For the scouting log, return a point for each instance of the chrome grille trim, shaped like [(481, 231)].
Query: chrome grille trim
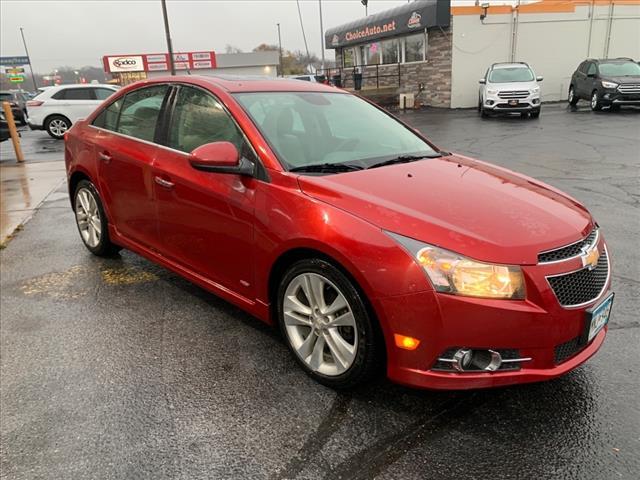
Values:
[(595, 232), (513, 94), (598, 296), (629, 88)]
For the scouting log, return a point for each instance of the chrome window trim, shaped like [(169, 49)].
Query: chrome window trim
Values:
[(594, 300), (595, 242), (146, 142)]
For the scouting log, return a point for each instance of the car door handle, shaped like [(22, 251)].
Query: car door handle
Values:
[(105, 157), (164, 183)]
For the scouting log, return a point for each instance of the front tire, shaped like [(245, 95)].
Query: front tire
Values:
[(57, 126), (596, 106), (572, 98), (92, 221), (325, 322)]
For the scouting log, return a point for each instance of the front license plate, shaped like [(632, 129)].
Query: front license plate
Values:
[(513, 102), (598, 317)]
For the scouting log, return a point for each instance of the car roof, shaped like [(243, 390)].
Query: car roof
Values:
[(611, 60), (237, 83), (510, 65), (81, 85)]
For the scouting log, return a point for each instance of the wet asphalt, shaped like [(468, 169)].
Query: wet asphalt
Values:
[(119, 369)]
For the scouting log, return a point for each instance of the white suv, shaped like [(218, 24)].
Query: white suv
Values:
[(510, 87), (57, 108)]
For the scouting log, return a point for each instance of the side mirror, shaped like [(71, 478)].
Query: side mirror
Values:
[(220, 157), (482, 81), (539, 79)]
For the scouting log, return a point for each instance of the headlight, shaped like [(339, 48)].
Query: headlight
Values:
[(492, 92), (609, 84), (455, 274), (535, 90)]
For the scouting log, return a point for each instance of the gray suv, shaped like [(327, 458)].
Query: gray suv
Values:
[(508, 88)]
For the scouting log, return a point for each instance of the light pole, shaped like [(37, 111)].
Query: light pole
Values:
[(321, 36), (33, 78), (76, 73), (172, 66), (280, 51), (366, 7)]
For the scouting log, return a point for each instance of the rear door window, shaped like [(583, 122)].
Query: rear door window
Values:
[(75, 94), (140, 112), (102, 93)]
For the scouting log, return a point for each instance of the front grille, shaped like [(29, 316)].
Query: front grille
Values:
[(583, 286), (566, 350), (629, 88), (511, 94), (569, 251)]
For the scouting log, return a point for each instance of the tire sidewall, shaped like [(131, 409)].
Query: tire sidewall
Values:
[(57, 117), (363, 364), (598, 105)]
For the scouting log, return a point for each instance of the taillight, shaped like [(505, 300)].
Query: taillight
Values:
[(34, 103)]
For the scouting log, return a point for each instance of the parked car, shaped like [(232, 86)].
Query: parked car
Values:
[(310, 78), (18, 104), (508, 88), (606, 83), (57, 108), (4, 128), (321, 213)]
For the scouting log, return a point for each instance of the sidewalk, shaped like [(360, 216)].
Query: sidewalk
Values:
[(24, 186)]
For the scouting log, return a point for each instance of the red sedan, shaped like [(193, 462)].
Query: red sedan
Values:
[(321, 213)]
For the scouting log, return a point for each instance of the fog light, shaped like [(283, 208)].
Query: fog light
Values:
[(536, 101), (489, 102), (406, 343), (476, 360)]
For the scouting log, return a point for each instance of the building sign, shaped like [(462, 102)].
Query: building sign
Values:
[(158, 62), (410, 17), (13, 61)]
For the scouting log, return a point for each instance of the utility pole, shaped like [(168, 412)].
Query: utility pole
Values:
[(280, 52), (304, 36), (321, 36), (172, 65), (33, 78)]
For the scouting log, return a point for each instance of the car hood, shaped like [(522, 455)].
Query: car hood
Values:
[(622, 80), (481, 211)]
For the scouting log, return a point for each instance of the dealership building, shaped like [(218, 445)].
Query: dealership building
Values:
[(436, 52), (130, 68)]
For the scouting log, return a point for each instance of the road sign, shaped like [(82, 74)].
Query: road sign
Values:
[(13, 61), (16, 79), (14, 71)]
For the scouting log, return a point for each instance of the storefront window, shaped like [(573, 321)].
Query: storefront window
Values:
[(414, 48), (390, 51), (348, 57), (373, 51)]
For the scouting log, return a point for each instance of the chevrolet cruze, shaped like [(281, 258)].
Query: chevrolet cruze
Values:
[(367, 245)]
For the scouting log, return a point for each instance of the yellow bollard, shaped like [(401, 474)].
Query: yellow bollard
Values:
[(15, 138)]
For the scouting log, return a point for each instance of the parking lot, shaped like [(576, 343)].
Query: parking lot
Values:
[(117, 368)]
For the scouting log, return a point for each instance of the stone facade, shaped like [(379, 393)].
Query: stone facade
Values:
[(434, 73)]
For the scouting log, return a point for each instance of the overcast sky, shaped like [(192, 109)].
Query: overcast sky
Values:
[(79, 32)]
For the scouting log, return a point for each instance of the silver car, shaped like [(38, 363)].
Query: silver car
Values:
[(509, 88)]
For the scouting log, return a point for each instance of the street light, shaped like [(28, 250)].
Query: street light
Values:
[(24, 42), (76, 72)]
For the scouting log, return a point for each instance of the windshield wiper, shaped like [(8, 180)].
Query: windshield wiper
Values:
[(326, 168), (404, 159)]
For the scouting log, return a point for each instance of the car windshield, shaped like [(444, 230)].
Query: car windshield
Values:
[(510, 74), (620, 69), (317, 128)]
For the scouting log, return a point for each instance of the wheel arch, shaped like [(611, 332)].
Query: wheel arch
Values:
[(294, 254)]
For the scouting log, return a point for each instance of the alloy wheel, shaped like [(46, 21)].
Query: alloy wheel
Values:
[(88, 217), (58, 127), (320, 324), (594, 100), (571, 95)]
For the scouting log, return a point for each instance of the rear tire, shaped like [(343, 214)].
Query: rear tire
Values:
[(596, 106), (91, 220), (341, 356), (572, 98), (57, 126)]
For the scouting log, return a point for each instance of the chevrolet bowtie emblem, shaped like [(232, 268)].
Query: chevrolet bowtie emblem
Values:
[(590, 258)]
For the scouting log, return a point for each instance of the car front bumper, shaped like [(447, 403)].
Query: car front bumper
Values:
[(548, 337), (494, 103), (614, 97)]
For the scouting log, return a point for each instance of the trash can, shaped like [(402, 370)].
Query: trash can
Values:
[(337, 81), (357, 80)]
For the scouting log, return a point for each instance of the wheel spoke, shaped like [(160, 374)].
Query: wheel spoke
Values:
[(344, 320), (341, 350), (306, 348), (291, 303), (317, 355), (82, 196), (338, 304), (295, 318)]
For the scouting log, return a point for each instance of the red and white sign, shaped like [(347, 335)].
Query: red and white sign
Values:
[(157, 62)]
